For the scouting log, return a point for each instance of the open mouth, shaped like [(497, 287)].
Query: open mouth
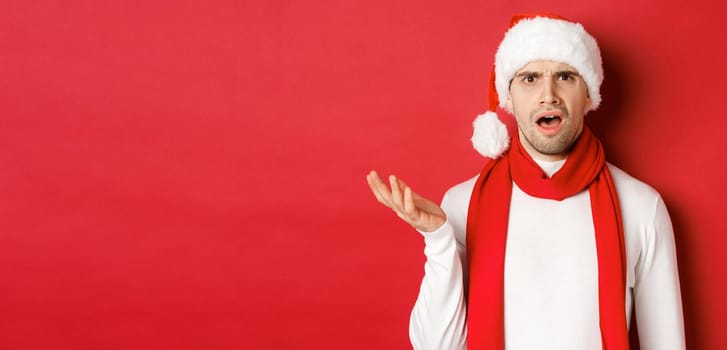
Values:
[(549, 123)]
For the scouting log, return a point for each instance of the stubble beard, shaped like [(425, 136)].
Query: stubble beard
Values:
[(558, 144), (548, 145)]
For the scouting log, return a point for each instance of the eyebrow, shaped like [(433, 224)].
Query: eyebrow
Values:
[(537, 74)]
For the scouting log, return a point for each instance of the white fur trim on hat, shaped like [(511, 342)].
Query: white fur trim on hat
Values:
[(490, 137), (542, 38)]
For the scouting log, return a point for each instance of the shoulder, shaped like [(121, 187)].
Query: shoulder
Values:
[(648, 231), (644, 214), (633, 193), (460, 192), (456, 203)]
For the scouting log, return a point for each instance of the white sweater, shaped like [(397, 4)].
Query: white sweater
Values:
[(551, 272)]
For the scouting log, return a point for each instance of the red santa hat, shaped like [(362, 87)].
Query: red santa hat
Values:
[(531, 38)]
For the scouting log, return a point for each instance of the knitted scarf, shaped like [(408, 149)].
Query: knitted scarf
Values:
[(487, 221)]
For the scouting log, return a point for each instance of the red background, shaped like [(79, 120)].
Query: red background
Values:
[(189, 175)]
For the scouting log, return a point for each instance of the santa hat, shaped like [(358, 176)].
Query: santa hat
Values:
[(531, 38)]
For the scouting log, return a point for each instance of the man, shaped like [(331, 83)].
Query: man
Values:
[(549, 247)]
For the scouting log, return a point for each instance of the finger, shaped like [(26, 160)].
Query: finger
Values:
[(402, 184), (379, 188), (370, 180), (376, 193), (413, 197), (397, 199), (403, 216), (409, 208)]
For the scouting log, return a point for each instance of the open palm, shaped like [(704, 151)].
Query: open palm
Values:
[(419, 212)]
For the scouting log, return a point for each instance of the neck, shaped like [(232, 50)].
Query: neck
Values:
[(545, 157), (550, 167)]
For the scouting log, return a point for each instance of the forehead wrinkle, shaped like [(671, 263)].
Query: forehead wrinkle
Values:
[(547, 67)]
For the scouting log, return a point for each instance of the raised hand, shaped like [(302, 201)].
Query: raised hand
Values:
[(421, 213)]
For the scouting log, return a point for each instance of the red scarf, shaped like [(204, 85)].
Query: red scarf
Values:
[(487, 221)]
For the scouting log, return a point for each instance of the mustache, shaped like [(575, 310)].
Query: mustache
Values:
[(561, 109)]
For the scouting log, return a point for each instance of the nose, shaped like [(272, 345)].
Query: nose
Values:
[(549, 93)]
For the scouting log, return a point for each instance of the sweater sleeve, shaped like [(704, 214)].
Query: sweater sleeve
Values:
[(657, 297), (438, 320)]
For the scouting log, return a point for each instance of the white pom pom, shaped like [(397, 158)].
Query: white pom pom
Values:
[(490, 137)]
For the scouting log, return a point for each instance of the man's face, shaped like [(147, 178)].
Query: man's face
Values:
[(549, 100)]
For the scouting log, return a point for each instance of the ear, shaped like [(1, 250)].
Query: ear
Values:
[(587, 105), (508, 104)]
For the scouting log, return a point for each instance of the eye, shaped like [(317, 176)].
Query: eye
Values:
[(566, 76), (529, 78)]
